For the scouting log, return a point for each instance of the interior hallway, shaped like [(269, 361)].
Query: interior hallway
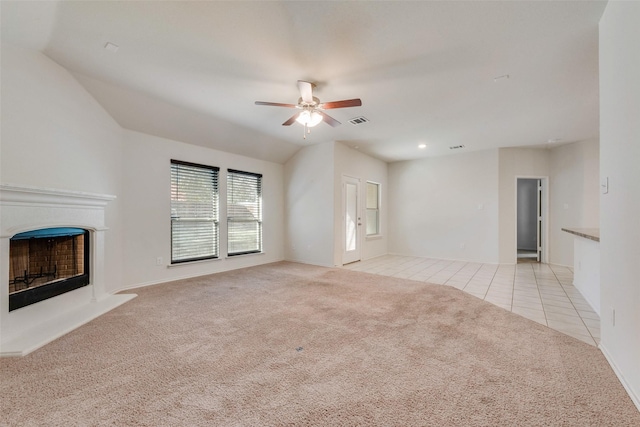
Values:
[(540, 292)]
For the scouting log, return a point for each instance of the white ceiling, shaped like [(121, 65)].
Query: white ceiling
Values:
[(191, 71)]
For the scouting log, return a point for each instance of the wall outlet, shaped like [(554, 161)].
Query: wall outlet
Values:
[(159, 260), (613, 316), (462, 245), (604, 185)]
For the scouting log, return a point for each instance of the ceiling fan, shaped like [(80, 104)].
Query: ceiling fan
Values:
[(311, 109)]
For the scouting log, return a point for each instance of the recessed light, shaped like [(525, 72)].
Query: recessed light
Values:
[(502, 77), (422, 146), (553, 140), (111, 47)]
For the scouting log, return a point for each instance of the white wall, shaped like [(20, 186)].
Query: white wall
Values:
[(353, 163), (430, 194), (438, 204), (515, 162), (146, 211), (55, 135), (309, 206), (586, 274), (574, 195), (620, 208)]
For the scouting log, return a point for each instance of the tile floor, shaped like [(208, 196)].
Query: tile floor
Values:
[(540, 292)]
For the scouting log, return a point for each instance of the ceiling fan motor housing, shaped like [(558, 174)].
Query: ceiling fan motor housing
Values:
[(312, 110), (315, 102)]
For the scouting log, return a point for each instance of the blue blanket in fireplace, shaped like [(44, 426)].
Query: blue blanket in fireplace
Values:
[(48, 232)]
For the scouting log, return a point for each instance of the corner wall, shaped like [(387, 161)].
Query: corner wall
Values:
[(55, 135), (514, 163), (309, 205), (620, 208), (353, 163), (146, 213), (574, 195), (433, 203), (445, 207)]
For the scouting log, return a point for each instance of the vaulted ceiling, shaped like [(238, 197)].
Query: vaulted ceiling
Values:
[(478, 74)]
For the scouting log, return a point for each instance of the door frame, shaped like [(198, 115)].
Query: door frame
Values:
[(544, 182), (358, 182)]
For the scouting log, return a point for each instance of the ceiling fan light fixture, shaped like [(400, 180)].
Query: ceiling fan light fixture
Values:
[(311, 109), (309, 118)]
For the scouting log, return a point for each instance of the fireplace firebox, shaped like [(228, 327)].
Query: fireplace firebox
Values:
[(24, 208), (46, 263)]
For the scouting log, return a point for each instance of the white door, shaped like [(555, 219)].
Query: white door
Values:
[(351, 219)]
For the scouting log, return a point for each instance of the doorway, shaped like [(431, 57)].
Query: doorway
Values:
[(529, 220), (351, 219)]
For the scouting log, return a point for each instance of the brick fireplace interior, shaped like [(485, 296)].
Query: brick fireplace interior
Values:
[(45, 263), (55, 304)]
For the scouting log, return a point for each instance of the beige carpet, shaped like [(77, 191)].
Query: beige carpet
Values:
[(290, 344)]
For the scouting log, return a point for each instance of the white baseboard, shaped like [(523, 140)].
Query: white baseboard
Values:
[(634, 397), (191, 276), (319, 264), (161, 281), (451, 259), (561, 265), (587, 298)]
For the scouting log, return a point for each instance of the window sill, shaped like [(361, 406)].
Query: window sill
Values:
[(244, 255), (203, 261), (200, 261), (374, 237)]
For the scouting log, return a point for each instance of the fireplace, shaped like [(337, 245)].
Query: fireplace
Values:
[(46, 263), (52, 265)]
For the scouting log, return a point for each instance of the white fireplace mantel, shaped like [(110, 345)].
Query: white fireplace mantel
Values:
[(27, 194), (25, 208)]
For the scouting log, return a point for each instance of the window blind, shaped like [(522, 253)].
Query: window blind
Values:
[(373, 208), (194, 212), (244, 212)]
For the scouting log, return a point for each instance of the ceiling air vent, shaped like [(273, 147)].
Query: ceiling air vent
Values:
[(456, 147), (358, 120)]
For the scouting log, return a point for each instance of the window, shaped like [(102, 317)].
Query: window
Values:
[(244, 212), (194, 212), (373, 208)]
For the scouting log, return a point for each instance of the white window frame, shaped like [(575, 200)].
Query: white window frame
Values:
[(210, 239), (239, 213), (377, 209)]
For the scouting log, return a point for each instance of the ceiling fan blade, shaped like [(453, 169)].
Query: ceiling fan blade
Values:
[(306, 91), (341, 104), (276, 104), (291, 120), (328, 119)]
